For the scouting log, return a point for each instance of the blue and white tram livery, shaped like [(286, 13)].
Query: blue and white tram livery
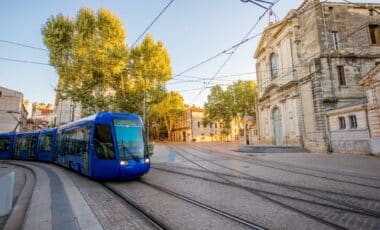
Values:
[(105, 146)]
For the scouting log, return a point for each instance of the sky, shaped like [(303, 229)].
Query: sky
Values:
[(191, 30)]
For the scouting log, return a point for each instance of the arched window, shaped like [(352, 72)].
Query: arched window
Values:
[(273, 65)]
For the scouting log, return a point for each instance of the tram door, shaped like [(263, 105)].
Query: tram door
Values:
[(86, 147)]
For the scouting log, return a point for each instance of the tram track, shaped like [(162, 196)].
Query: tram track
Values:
[(256, 179), (249, 176), (160, 223), (205, 206), (338, 198), (351, 209), (276, 200), (273, 164), (147, 216)]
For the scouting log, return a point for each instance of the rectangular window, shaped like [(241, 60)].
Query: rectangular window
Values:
[(211, 125), (130, 139), (199, 124), (103, 142), (335, 40), (45, 143), (25, 144), (5, 144), (374, 34), (216, 125), (353, 122), (342, 123), (341, 75)]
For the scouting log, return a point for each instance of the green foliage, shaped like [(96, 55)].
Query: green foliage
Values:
[(149, 70), (170, 109), (235, 102), (89, 53), (96, 68)]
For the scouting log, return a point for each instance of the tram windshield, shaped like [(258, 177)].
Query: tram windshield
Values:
[(130, 139)]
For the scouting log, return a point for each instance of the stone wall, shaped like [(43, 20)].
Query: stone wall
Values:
[(11, 110), (349, 139)]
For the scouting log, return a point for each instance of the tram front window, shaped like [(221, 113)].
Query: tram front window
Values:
[(130, 140)]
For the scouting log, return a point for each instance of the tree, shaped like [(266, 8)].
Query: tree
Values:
[(149, 70), (170, 109), (89, 54), (244, 100), (237, 101), (219, 108)]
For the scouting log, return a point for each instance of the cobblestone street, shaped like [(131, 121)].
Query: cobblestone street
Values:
[(275, 190), (210, 186)]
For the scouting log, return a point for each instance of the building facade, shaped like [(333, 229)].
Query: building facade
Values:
[(191, 128), (42, 114), (67, 111), (371, 83), (311, 62), (13, 114)]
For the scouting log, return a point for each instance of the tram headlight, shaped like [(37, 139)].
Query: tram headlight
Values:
[(124, 163), (147, 160)]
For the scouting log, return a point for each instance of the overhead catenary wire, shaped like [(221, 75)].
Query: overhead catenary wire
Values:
[(238, 44), (234, 50), (23, 45), (154, 20), (217, 55), (24, 61)]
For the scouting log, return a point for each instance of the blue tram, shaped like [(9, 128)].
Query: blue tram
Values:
[(105, 146), (45, 144), (25, 145), (6, 145)]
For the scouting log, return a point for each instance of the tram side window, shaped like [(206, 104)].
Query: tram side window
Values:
[(25, 144), (59, 144), (5, 144), (103, 142), (18, 145), (45, 143)]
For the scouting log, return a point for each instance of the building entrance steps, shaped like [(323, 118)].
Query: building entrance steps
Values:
[(272, 149)]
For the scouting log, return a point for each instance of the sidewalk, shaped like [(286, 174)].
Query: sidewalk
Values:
[(46, 199)]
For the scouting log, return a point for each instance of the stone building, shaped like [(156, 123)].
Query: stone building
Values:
[(43, 114), (13, 114), (189, 127), (371, 83), (348, 128), (67, 111), (311, 62)]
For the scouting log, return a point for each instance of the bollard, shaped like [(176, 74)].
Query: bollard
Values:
[(6, 192)]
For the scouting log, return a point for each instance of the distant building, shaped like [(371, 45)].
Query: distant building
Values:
[(42, 114), (309, 64), (191, 128), (13, 114), (67, 111)]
